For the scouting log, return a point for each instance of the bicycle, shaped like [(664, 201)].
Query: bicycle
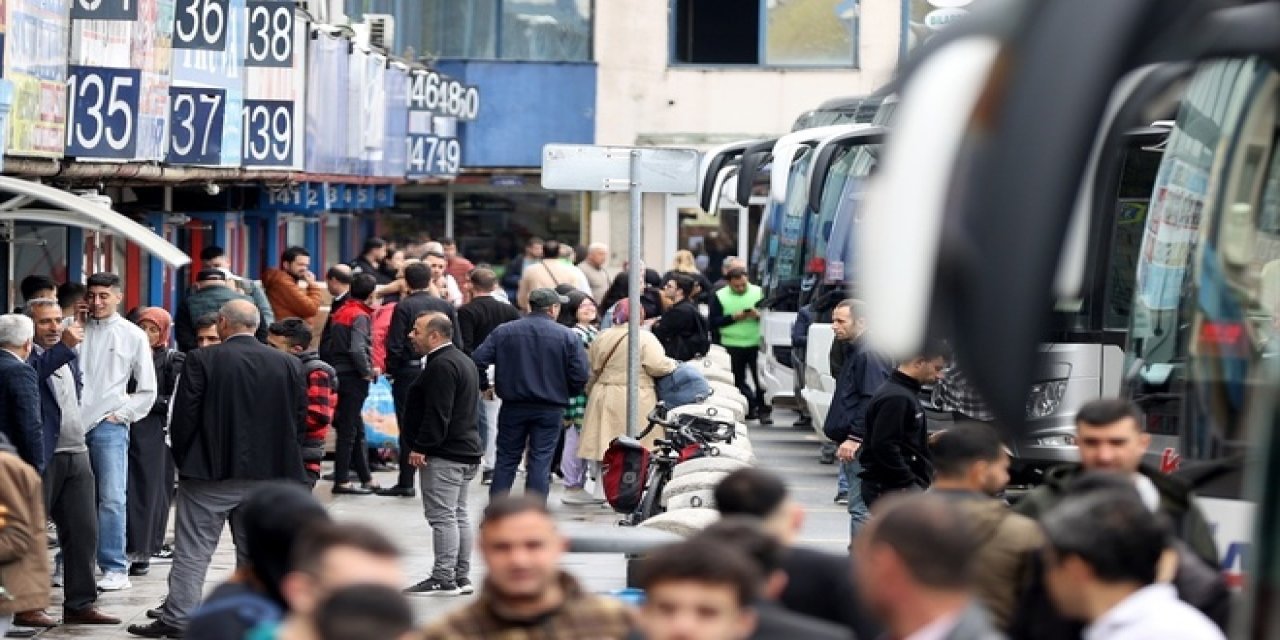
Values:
[(687, 436)]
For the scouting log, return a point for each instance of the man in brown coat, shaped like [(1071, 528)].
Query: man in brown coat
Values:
[(24, 563), (972, 468), (292, 289)]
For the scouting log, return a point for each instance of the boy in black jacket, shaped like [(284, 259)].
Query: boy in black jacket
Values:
[(895, 452), (441, 413)]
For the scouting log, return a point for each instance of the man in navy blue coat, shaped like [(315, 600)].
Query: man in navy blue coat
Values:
[(19, 394)]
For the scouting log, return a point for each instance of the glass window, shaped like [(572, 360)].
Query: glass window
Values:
[(766, 32), (540, 30), (710, 238)]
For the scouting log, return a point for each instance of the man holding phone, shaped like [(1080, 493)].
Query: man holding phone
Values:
[(738, 320)]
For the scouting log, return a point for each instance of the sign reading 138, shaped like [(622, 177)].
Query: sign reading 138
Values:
[(268, 133), (102, 112), (200, 24), (270, 33)]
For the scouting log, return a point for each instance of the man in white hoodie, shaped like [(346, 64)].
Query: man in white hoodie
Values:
[(114, 353)]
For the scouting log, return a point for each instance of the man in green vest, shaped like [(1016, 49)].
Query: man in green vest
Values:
[(738, 321)]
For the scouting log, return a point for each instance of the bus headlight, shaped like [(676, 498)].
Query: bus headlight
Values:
[(1045, 398)]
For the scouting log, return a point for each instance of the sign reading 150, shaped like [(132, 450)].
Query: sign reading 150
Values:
[(102, 112)]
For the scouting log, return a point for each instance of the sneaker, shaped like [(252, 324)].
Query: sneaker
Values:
[(114, 581), (465, 587), (842, 497), (165, 553), (433, 587), (579, 496)]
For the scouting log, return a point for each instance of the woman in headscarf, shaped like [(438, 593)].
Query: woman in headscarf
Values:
[(580, 315), (151, 471), (606, 416)]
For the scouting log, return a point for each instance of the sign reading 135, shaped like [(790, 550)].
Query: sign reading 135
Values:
[(200, 24), (102, 112), (195, 125), (268, 133)]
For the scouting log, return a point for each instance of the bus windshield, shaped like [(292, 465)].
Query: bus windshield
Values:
[(831, 234), (780, 263)]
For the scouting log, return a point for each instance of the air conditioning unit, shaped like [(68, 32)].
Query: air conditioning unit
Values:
[(382, 30)]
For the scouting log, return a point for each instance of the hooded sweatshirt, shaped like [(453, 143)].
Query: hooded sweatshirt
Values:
[(115, 351)]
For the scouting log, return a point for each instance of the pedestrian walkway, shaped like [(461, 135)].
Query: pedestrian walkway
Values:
[(781, 448)]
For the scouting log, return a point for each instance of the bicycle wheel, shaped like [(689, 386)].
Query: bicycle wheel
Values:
[(651, 504)]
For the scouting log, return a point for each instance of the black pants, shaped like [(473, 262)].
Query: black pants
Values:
[(400, 392), (150, 486), (70, 493), (349, 449), (742, 359)]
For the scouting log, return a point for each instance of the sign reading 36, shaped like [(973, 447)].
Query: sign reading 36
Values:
[(200, 24)]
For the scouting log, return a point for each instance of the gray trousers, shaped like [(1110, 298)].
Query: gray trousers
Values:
[(444, 502), (70, 494), (203, 509)]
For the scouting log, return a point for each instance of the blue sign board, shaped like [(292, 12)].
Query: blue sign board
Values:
[(199, 64), (102, 112), (204, 24), (268, 133), (271, 37), (197, 117), (300, 197), (104, 10)]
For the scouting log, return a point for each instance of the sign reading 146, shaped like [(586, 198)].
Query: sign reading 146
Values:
[(102, 112)]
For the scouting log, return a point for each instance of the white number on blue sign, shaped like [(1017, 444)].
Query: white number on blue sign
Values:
[(430, 155), (270, 34), (104, 10), (196, 117), (268, 132), (200, 24), (102, 113)]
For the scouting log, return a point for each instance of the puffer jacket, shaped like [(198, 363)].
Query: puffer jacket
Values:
[(24, 564), (1006, 543)]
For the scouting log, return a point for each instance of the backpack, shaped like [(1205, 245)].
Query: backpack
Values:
[(624, 470)]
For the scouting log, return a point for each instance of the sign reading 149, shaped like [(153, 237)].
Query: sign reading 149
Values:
[(102, 112)]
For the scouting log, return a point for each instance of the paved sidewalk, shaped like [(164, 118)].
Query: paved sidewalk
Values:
[(783, 449)]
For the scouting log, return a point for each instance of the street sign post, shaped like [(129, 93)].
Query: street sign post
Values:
[(637, 170)]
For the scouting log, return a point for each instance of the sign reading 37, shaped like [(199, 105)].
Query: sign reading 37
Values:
[(102, 112), (195, 125)]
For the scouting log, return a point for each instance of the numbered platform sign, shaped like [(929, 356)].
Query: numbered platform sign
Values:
[(302, 197), (103, 112), (104, 10), (206, 98), (432, 156), (275, 85)]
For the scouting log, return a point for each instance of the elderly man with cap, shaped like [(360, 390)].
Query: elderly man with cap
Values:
[(212, 290), (540, 365)]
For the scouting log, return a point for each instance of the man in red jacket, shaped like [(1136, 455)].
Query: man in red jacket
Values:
[(348, 350)]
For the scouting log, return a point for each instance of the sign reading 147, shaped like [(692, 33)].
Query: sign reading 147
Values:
[(102, 112)]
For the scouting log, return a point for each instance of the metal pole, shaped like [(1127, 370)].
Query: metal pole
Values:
[(634, 271)]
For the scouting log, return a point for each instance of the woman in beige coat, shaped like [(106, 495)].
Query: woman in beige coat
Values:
[(606, 416)]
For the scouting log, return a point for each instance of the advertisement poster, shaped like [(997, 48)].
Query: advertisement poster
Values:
[(37, 33)]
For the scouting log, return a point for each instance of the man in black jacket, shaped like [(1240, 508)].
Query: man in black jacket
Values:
[(540, 365), (683, 332), (446, 447), (227, 442), (895, 452), (404, 364), (476, 320), (349, 351)]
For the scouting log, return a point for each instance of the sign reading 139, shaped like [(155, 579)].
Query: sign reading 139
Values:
[(268, 133), (102, 112)]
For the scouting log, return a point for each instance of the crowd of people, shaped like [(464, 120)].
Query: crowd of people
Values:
[(109, 423)]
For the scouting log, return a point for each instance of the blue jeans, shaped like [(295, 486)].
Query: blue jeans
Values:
[(858, 512), (109, 455), (842, 479), (538, 429)]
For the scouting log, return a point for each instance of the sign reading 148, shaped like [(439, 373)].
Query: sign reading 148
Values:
[(102, 112)]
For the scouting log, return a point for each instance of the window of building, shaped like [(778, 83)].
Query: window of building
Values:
[(804, 33), (529, 30)]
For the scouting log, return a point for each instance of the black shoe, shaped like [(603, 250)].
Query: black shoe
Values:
[(139, 568), (21, 632), (327, 476), (766, 418), (397, 492), (156, 629), (351, 489), (155, 613), (165, 552), (803, 422), (842, 497), (433, 587), (465, 587), (486, 477)]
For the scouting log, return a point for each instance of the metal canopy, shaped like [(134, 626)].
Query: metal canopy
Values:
[(75, 211)]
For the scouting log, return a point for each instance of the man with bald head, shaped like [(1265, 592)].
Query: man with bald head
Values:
[(239, 418)]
